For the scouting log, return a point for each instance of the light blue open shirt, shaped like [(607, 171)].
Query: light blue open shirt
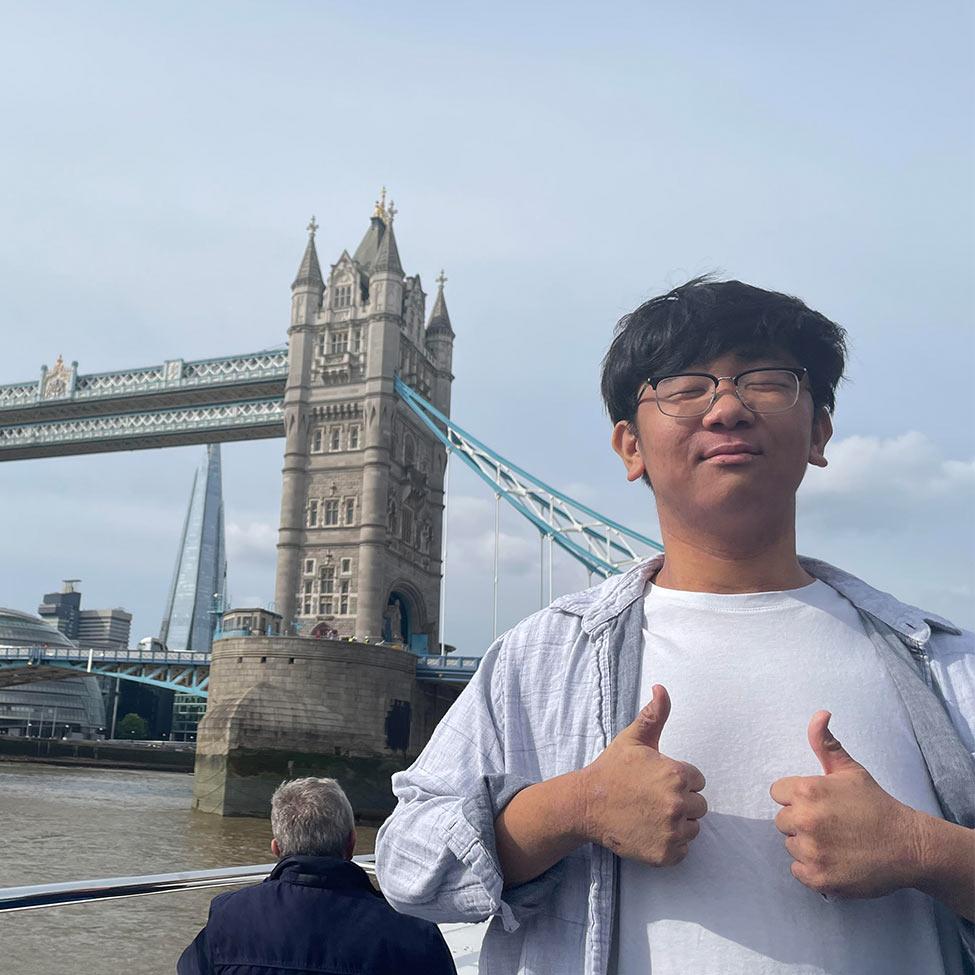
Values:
[(549, 696)]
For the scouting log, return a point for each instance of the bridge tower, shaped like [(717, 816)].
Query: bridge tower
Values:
[(362, 494), (358, 548)]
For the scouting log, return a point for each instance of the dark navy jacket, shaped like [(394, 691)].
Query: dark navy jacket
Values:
[(313, 915)]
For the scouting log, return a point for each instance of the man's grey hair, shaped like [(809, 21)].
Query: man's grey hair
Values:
[(311, 817)]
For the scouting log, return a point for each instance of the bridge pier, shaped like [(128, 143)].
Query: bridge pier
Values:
[(283, 707)]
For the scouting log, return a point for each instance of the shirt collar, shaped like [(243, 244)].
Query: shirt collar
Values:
[(605, 602)]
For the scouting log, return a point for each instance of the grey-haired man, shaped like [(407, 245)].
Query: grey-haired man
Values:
[(316, 911)]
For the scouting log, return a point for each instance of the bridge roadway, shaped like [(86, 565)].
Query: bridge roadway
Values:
[(179, 402), (184, 671)]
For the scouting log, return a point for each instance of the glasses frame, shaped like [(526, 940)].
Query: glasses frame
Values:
[(651, 383)]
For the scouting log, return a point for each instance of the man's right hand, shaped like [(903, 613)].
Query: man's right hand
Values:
[(639, 803)]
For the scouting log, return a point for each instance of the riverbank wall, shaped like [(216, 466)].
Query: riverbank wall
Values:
[(150, 756)]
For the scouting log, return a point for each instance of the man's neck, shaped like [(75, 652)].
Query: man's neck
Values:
[(731, 561)]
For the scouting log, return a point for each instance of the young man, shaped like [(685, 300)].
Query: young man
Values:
[(316, 911), (549, 798)]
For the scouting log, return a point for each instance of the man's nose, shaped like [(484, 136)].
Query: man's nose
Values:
[(727, 409)]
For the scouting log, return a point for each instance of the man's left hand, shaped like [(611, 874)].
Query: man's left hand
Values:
[(847, 836)]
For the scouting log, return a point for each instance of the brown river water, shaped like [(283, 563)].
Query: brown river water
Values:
[(61, 824)]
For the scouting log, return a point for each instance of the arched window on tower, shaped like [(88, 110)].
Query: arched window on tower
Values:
[(409, 450)]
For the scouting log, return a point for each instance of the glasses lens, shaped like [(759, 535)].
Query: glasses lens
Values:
[(684, 395), (769, 390)]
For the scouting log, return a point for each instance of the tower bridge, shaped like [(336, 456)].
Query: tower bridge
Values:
[(361, 398), (238, 397)]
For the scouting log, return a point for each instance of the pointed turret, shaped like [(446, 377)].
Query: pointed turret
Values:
[(309, 271), (388, 257), (308, 285), (440, 318), (439, 340), (386, 274)]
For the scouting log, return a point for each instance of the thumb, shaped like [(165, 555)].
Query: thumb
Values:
[(831, 754), (649, 723)]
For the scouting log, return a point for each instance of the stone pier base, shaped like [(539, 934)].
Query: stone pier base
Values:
[(284, 707)]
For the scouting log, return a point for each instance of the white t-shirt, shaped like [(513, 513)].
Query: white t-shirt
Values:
[(745, 673)]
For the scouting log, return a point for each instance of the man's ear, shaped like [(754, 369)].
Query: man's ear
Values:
[(627, 445), (821, 432), (275, 849)]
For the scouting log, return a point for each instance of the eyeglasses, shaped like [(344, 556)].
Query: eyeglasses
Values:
[(694, 393)]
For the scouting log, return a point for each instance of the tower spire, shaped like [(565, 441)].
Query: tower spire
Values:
[(439, 316), (309, 271), (388, 257)]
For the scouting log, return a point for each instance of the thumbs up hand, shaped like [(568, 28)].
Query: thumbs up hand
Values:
[(639, 803), (847, 836)]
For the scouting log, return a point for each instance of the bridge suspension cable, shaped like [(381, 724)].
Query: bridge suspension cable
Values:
[(602, 545)]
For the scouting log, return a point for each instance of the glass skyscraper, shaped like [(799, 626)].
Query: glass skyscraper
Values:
[(199, 588)]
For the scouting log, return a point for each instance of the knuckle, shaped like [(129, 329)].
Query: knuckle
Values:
[(808, 790), (677, 775)]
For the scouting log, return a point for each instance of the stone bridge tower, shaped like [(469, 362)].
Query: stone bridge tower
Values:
[(358, 550), (362, 496)]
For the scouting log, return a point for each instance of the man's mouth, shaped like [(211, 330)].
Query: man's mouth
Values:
[(730, 451)]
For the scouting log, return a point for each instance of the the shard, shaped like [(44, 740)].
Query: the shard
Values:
[(199, 587)]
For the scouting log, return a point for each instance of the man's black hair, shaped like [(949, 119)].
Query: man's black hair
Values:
[(704, 319)]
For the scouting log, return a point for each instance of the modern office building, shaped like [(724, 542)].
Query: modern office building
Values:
[(199, 587), (104, 629)]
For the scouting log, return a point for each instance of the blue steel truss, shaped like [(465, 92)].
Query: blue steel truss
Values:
[(601, 544), (186, 673)]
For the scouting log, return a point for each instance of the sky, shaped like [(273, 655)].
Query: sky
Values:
[(563, 162)]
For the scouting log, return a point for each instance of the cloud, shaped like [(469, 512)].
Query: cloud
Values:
[(876, 484), (898, 513), (251, 541), (908, 467)]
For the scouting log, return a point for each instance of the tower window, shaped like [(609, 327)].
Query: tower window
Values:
[(345, 567), (309, 567), (349, 512), (313, 514), (316, 441), (354, 437), (342, 297), (407, 525), (326, 579), (331, 512), (340, 341), (335, 439), (357, 340), (409, 450)]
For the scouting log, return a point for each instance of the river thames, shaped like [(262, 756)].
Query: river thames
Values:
[(64, 824)]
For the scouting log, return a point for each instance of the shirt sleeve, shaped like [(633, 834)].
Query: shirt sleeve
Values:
[(436, 856)]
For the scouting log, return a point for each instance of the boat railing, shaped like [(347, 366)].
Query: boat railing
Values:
[(35, 896), (463, 939)]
